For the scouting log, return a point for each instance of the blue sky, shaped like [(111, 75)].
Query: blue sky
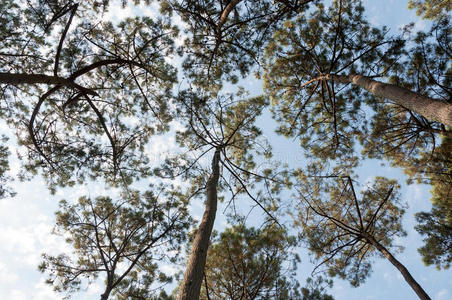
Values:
[(26, 220)]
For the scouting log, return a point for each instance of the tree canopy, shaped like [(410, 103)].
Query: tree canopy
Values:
[(95, 79), (87, 96), (249, 263), (345, 232), (123, 239), (430, 9)]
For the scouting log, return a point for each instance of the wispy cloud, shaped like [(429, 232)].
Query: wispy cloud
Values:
[(442, 294)]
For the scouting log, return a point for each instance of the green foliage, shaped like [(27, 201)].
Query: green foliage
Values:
[(119, 240), (336, 224), (436, 226), (329, 118), (315, 289), (249, 263), (431, 9), (98, 125), (223, 44), (5, 191), (408, 140), (121, 94), (325, 116), (225, 122)]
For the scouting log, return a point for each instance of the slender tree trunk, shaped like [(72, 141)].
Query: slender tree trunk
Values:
[(191, 284), (106, 294), (226, 11), (108, 287), (405, 273), (429, 108)]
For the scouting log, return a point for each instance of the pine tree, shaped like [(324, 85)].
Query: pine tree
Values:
[(122, 241), (344, 232)]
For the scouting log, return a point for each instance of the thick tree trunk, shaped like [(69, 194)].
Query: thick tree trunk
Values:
[(429, 108), (191, 284), (405, 273)]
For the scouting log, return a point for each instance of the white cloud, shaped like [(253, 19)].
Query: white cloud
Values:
[(417, 196), (96, 288), (44, 291), (442, 294), (420, 25), (116, 13), (169, 269), (7, 277), (389, 277), (18, 295), (25, 245)]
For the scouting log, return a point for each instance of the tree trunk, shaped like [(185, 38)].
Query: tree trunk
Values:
[(106, 294), (108, 287), (429, 108), (405, 273), (191, 284)]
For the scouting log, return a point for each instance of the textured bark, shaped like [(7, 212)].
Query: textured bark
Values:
[(194, 273), (14, 79), (429, 108), (23, 78), (11, 78), (227, 10), (405, 273)]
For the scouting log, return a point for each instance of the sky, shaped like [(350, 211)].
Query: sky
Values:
[(26, 220)]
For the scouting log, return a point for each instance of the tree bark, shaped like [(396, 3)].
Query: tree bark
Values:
[(427, 107), (14, 78), (24, 78), (226, 11), (106, 294), (109, 283), (404, 271), (191, 284)]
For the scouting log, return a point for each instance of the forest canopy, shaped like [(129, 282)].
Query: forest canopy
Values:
[(89, 96)]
